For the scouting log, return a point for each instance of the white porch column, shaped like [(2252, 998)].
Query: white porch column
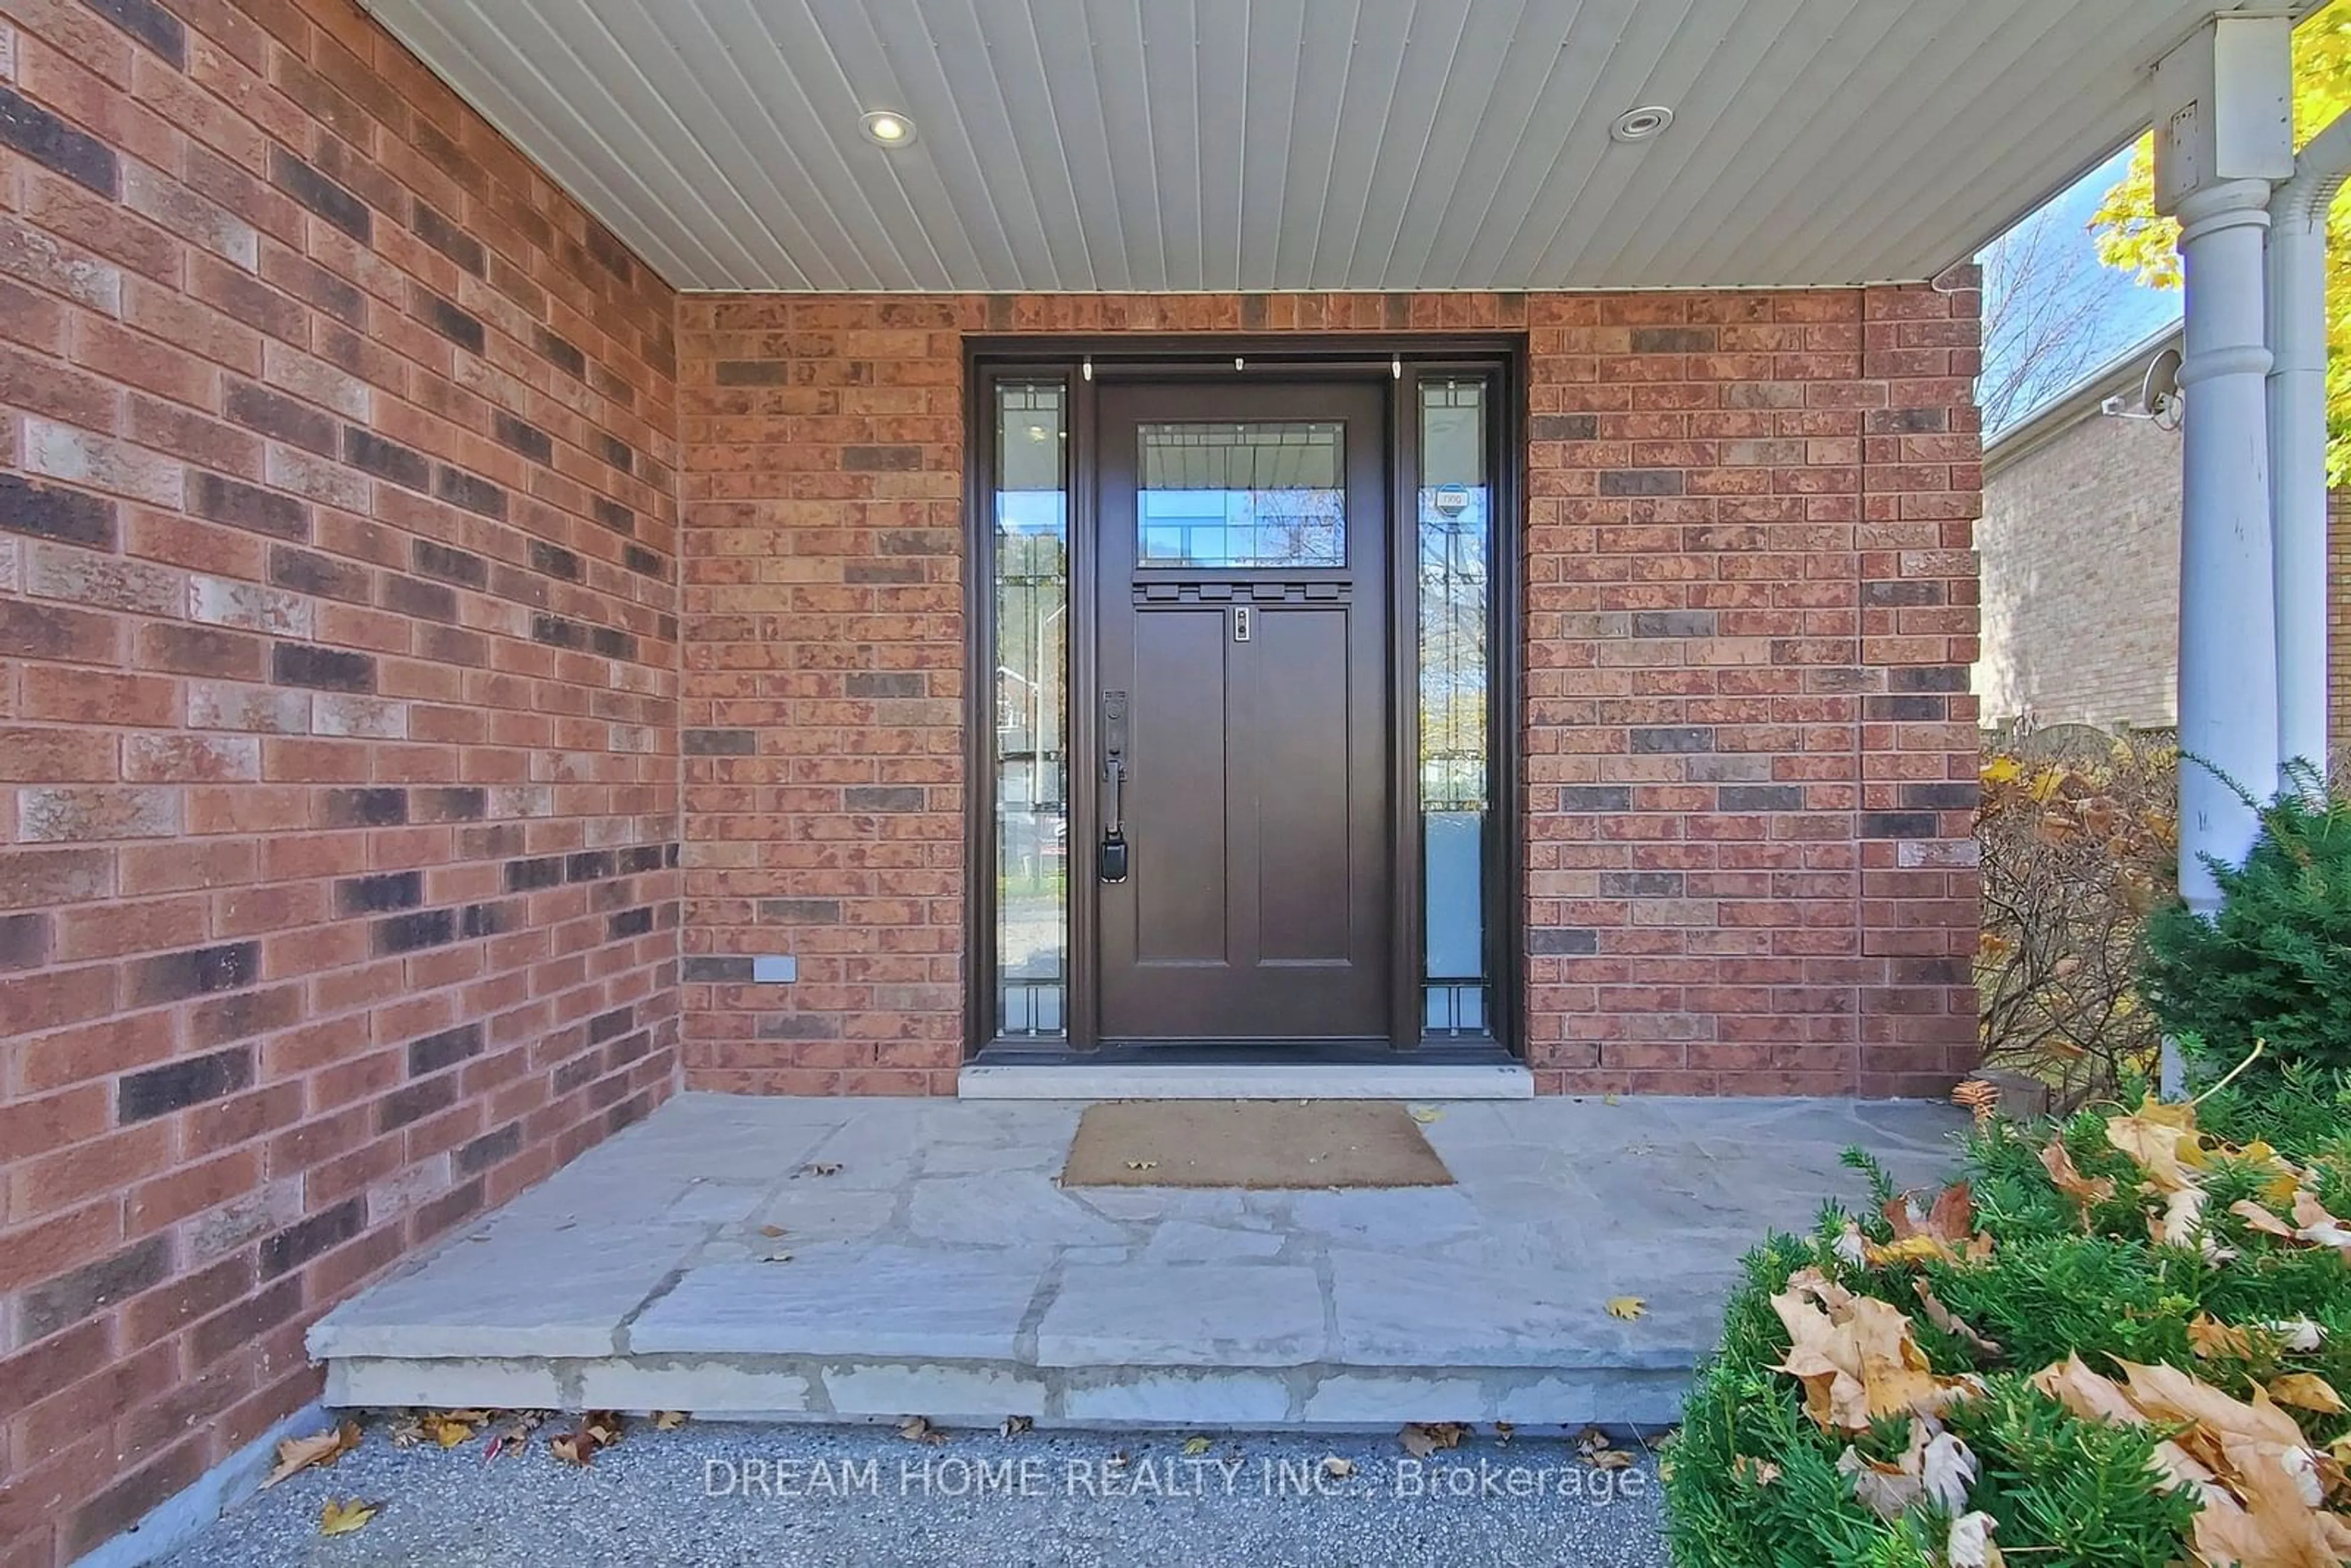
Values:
[(2298, 282), (2225, 135)]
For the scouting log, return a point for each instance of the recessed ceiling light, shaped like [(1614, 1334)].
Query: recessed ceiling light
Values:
[(1640, 124), (887, 128)]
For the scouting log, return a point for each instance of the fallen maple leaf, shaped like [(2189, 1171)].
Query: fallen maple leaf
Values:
[(1337, 1469), (1943, 1318), (668, 1420), (2087, 1192), (1626, 1307), (2152, 1136), (2208, 1337), (1425, 1114), (1968, 1545), (572, 1448), (2318, 1226), (319, 1449), (1424, 1438), (2262, 1220), (1196, 1445), (772, 1231), (2307, 1390), (343, 1518), (1014, 1425), (1755, 1471), (918, 1429), (822, 1168)]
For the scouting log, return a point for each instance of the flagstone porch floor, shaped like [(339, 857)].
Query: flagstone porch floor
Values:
[(939, 1271)]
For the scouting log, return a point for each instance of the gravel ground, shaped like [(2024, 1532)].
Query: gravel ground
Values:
[(725, 1494)]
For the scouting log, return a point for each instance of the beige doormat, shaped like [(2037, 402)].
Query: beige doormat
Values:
[(1259, 1144)]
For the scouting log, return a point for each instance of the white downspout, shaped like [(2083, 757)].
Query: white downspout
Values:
[(2297, 430)]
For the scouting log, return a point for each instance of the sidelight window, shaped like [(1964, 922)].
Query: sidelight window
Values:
[(1031, 677), (1455, 594)]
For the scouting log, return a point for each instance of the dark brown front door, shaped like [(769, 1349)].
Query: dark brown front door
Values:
[(1241, 704)]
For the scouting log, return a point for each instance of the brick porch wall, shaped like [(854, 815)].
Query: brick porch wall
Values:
[(1750, 748), (337, 668)]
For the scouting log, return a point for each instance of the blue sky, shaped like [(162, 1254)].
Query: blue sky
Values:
[(2107, 311)]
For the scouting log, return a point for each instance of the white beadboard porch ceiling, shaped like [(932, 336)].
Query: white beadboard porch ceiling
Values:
[(1303, 144)]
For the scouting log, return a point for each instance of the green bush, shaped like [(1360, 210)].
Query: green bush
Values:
[(1753, 1479), (2275, 965)]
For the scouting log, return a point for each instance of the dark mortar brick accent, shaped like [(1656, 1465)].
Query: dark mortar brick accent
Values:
[(320, 195), (554, 561), (380, 894), (1952, 797), (247, 506), (883, 798), (612, 642), (470, 491), (557, 633), (419, 600), (453, 646), (233, 1330), (716, 971), (1927, 678), (643, 563), (750, 372), (150, 24), (459, 1203), (432, 1052), (800, 1026), (640, 857), (403, 465), (881, 571), (1760, 797), (1554, 941), (448, 803), (1898, 825), (1641, 885), (1254, 309), (450, 565), (51, 142), (617, 453), (609, 253), (1595, 798), (176, 1085), (1673, 339), (447, 238), (485, 920), (408, 932), (1674, 737), (377, 808), (1564, 427), (490, 1149), (1673, 624), (611, 1025), (1641, 482), (322, 577), (629, 922), (243, 1013), (627, 1049), (1933, 972), (280, 418), (69, 1298), (878, 684), (298, 1243), (322, 669), (171, 977), (801, 911), (523, 437), (1734, 769), (200, 651), (665, 627), (673, 854), (1903, 710), (459, 326), (559, 350), (1889, 595), (24, 941), (614, 516), (587, 865), (45, 512), (1906, 421), (881, 459), (545, 871)]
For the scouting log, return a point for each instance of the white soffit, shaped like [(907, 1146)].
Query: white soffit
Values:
[(1302, 144)]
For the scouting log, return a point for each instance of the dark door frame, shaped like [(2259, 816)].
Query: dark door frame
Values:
[(1400, 361)]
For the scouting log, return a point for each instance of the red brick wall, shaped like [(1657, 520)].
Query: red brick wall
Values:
[(338, 654), (1751, 749)]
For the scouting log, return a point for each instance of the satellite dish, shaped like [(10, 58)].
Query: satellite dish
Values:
[(2159, 394)]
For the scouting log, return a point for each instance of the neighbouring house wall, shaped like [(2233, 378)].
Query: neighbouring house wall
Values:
[(2081, 578), (338, 667), (1750, 750)]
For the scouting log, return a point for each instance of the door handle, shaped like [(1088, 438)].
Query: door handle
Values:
[(1111, 863)]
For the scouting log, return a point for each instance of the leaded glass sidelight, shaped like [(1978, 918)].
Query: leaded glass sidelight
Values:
[(1454, 536), (1031, 675)]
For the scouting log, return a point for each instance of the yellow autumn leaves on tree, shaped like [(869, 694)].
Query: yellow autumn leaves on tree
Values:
[(2131, 237)]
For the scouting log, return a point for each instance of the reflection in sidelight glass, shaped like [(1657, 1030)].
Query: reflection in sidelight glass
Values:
[(1455, 613), (1254, 493), (1032, 619)]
